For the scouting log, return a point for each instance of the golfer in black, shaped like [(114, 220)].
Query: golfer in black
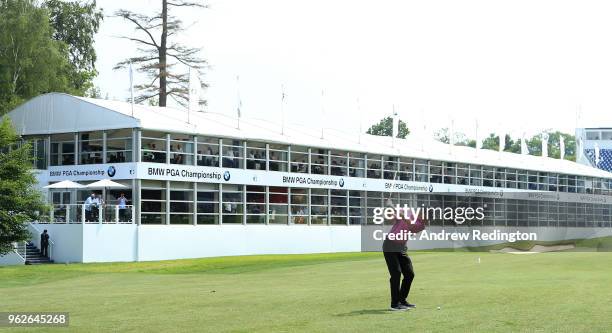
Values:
[(398, 262)]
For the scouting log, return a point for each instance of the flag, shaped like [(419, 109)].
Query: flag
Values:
[(561, 147), (502, 141), (524, 147), (545, 144), (195, 87)]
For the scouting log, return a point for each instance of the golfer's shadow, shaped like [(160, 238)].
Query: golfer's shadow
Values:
[(364, 312)]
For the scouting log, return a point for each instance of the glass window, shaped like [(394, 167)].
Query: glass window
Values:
[(338, 163), (299, 159), (38, 149), (475, 175), (153, 146), (181, 203), (119, 146), (374, 200), (339, 206), (522, 179), (463, 174), (256, 155), (299, 205), (278, 157), (435, 170), (62, 149), (510, 178), (356, 164), (593, 135), (278, 204), (153, 202), (181, 149), (319, 205), (532, 178), (208, 151), (406, 169), (552, 182), (208, 203), (319, 161), (450, 171), (233, 156), (421, 171), (374, 166), (90, 147), (357, 207), (256, 204), (500, 177), (232, 207), (487, 176), (390, 166)]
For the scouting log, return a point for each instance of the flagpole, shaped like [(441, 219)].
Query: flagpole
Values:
[(189, 86), (360, 121), (282, 109), (322, 113), (132, 88), (239, 100)]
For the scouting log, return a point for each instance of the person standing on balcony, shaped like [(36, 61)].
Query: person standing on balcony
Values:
[(44, 243), (91, 207), (122, 203)]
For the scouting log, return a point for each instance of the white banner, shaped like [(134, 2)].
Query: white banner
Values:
[(92, 172), (204, 174)]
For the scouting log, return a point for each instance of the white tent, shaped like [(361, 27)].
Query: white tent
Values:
[(65, 184), (106, 183)]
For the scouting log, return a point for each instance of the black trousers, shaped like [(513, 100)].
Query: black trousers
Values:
[(399, 264), (44, 249)]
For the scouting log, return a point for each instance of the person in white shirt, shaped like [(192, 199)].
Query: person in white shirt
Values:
[(91, 207)]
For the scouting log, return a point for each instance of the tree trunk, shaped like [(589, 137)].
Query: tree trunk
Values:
[(162, 55)]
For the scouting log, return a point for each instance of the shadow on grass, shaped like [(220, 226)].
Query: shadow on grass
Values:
[(364, 312)]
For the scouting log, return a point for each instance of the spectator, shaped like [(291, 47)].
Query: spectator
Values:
[(44, 243), (122, 203)]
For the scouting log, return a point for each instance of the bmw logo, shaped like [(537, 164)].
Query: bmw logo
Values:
[(227, 176), (430, 188), (341, 182), (111, 171)]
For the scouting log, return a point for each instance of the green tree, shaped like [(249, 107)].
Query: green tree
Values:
[(460, 138), (36, 48), (20, 202), (75, 23), (385, 128)]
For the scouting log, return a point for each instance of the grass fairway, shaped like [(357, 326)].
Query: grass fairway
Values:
[(549, 292)]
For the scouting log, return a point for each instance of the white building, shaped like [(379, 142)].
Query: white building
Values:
[(203, 187)]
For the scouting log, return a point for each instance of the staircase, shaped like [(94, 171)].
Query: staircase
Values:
[(34, 257)]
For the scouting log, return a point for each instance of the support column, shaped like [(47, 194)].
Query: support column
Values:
[(195, 202), (104, 160), (77, 149), (167, 202)]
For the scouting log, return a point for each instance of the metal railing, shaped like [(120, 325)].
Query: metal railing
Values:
[(102, 213), (21, 248)]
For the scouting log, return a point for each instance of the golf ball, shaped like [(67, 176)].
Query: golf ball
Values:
[(439, 308)]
